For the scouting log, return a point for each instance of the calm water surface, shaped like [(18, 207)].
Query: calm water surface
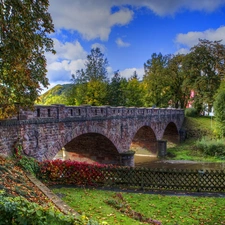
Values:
[(153, 162)]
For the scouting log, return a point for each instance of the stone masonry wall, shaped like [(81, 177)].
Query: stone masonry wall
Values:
[(44, 131)]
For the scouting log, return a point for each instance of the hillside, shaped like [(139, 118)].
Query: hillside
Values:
[(14, 182), (56, 95)]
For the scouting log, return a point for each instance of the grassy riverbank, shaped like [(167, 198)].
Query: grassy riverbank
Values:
[(114, 208), (197, 128)]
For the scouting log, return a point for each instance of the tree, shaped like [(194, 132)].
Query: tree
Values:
[(90, 83), (155, 81), (96, 93), (205, 69), (219, 109), (24, 29), (179, 91), (114, 90), (96, 66), (134, 92)]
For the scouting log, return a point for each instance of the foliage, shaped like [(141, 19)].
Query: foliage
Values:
[(212, 147), (179, 91), (17, 210), (169, 210), (169, 80), (24, 38), (29, 164), (117, 90), (15, 182), (134, 92), (191, 112), (96, 93), (219, 109), (57, 95), (197, 128), (96, 66), (155, 81), (21, 202), (90, 84), (203, 67), (69, 172)]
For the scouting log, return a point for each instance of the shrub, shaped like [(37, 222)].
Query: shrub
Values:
[(70, 172), (20, 211), (211, 147), (191, 112), (29, 164)]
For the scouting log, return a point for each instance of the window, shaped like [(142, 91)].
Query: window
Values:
[(38, 112), (71, 112), (49, 112)]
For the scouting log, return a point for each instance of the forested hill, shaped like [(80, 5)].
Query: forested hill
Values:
[(56, 95)]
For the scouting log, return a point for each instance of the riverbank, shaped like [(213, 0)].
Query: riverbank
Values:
[(197, 129)]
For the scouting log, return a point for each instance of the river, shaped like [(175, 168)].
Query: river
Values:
[(153, 162)]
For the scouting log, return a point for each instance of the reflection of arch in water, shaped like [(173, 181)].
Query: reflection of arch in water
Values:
[(92, 147), (144, 141), (171, 134)]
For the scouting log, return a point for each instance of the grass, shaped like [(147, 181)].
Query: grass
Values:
[(170, 210), (197, 128)]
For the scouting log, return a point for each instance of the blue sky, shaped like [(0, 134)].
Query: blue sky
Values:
[(128, 32)]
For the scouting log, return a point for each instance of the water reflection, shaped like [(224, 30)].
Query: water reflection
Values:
[(150, 161), (153, 162)]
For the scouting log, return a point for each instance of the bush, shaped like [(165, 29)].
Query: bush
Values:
[(29, 164), (211, 147), (70, 172), (20, 211), (191, 112)]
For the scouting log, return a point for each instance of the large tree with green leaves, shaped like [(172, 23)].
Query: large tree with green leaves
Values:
[(90, 83), (176, 77), (24, 29), (155, 81), (204, 66)]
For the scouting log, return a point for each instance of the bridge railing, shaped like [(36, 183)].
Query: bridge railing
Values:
[(63, 112)]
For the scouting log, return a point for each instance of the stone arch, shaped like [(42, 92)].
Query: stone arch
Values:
[(144, 141), (171, 133), (92, 147)]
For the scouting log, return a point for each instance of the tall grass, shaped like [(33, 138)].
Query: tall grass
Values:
[(211, 147)]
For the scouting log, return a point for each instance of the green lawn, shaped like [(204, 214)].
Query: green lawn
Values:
[(187, 151), (170, 210), (197, 128)]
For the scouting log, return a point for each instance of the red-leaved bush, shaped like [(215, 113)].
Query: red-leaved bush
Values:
[(71, 172)]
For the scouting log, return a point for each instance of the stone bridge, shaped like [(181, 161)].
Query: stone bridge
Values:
[(103, 134)]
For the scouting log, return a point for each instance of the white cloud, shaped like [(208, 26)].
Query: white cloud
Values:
[(121, 43), (98, 45), (192, 38), (69, 58), (127, 73), (182, 51), (95, 19), (169, 7)]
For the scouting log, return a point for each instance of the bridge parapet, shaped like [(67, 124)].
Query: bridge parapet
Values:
[(62, 112)]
